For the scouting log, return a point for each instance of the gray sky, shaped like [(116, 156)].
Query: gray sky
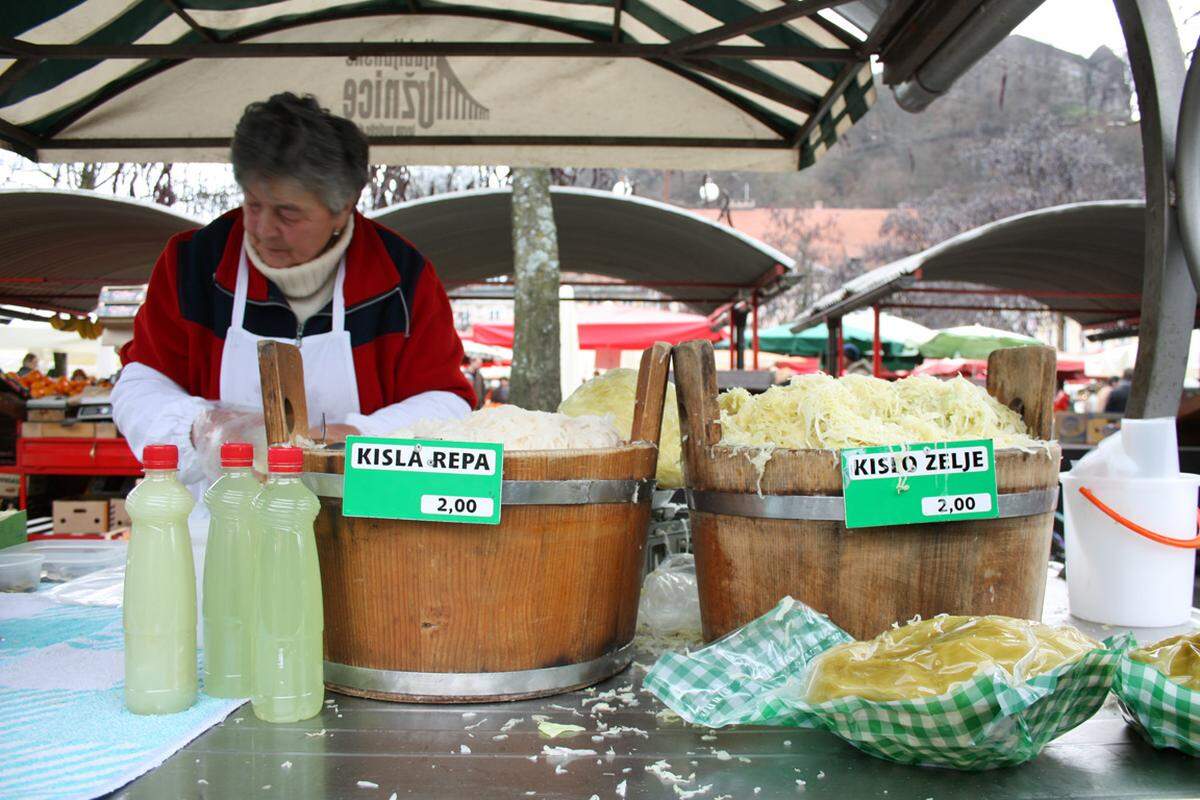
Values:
[(1081, 26)]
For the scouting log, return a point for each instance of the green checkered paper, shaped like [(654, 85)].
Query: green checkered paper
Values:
[(755, 676), (1165, 713)]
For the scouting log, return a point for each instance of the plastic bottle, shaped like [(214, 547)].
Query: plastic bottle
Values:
[(288, 683), (160, 590), (229, 574)]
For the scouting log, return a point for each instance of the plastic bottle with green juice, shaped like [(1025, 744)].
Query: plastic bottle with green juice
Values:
[(288, 682), (229, 574), (160, 590)]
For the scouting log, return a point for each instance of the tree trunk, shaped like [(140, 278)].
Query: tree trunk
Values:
[(535, 381)]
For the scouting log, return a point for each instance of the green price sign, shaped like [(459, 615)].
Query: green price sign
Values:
[(928, 482), (420, 479)]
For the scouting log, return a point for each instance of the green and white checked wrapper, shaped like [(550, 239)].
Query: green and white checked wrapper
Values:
[(1163, 712), (755, 676)]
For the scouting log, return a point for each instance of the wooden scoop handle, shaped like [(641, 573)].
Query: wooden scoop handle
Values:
[(651, 393), (1022, 378), (285, 407)]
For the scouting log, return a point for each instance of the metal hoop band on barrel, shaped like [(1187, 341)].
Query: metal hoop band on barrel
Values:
[(479, 684), (527, 493), (833, 508)]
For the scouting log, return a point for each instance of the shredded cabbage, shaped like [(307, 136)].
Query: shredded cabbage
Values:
[(928, 658), (613, 396), (518, 429), (818, 411)]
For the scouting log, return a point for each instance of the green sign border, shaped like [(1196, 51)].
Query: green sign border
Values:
[(396, 494), (876, 502)]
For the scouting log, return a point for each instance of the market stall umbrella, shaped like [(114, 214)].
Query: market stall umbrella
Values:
[(617, 328), (972, 341), (811, 341), (681, 84)]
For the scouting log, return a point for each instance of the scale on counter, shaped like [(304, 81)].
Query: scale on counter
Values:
[(93, 408)]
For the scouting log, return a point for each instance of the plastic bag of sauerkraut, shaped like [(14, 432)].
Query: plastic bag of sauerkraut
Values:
[(1159, 690), (960, 692)]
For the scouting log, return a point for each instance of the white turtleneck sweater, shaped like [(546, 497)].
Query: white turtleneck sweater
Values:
[(309, 286)]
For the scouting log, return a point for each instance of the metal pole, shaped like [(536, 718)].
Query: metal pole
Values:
[(754, 326), (1168, 295), (877, 347), (1187, 169)]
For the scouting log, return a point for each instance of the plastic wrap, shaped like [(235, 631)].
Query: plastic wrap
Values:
[(1177, 657), (757, 676), (228, 423), (1159, 690), (670, 603), (930, 657), (614, 395)]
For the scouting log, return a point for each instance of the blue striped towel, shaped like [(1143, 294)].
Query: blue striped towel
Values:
[(64, 730)]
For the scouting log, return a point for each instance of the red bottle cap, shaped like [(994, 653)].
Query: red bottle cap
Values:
[(160, 456), (285, 459), (237, 454)]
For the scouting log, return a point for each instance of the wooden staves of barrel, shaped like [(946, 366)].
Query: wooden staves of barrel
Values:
[(542, 603), (754, 549)]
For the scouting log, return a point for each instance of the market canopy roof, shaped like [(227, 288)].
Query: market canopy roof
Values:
[(468, 237), (667, 84), (617, 328), (58, 247), (1084, 260)]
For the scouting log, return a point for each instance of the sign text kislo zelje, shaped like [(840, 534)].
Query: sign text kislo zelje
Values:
[(926, 482), (428, 480)]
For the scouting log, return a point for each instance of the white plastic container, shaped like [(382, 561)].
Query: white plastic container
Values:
[(66, 560), (20, 572), (1115, 575)]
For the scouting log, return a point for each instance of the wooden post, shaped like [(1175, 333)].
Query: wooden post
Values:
[(651, 393)]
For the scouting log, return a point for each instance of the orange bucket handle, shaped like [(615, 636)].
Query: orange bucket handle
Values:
[(1186, 544)]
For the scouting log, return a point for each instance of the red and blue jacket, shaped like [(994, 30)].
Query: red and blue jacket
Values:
[(401, 328)]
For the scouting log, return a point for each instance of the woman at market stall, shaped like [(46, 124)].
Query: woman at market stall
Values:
[(296, 263)]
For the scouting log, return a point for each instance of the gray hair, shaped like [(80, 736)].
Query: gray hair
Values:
[(293, 137)]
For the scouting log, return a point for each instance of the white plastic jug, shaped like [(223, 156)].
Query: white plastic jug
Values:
[(1125, 503)]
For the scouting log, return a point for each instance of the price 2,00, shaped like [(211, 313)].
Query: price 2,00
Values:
[(457, 505)]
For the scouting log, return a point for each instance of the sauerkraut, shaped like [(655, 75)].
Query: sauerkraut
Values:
[(1177, 657), (613, 396), (929, 657), (818, 411), (518, 429)]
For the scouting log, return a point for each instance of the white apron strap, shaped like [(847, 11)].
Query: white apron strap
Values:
[(339, 300), (239, 292)]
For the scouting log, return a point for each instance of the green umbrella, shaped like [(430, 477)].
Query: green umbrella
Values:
[(972, 341), (812, 341)]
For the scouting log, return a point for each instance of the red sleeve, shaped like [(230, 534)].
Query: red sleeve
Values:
[(159, 335), (432, 356)]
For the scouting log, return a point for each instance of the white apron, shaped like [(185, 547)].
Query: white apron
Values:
[(329, 378)]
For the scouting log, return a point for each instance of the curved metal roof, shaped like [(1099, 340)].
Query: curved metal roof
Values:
[(468, 237), (57, 247), (1083, 259)]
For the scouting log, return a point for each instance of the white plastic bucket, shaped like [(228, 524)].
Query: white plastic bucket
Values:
[(1116, 576)]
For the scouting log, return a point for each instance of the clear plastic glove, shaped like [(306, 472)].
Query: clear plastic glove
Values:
[(228, 423), (670, 603)]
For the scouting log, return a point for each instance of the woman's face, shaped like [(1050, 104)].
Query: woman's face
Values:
[(286, 223)]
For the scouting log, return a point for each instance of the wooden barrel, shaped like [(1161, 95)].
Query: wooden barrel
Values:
[(754, 549), (543, 603)]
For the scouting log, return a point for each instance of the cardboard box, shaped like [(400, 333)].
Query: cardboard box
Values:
[(41, 430), (117, 516), (46, 414), (1101, 426), (84, 515), (10, 486), (106, 430)]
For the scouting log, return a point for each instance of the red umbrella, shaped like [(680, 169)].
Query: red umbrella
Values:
[(617, 328)]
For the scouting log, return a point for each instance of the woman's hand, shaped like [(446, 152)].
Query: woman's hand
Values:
[(333, 433)]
